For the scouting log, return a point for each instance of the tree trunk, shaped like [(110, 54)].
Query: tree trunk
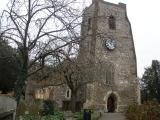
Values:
[(73, 101), (19, 86), (22, 76)]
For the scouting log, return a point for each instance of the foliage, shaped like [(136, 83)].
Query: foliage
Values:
[(78, 115), (95, 115), (48, 107), (32, 108), (150, 88), (8, 67), (58, 116), (31, 111), (21, 109), (28, 117), (148, 111)]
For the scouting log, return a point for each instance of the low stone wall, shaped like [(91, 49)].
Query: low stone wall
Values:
[(8, 107)]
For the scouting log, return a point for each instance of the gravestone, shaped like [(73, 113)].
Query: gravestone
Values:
[(8, 107)]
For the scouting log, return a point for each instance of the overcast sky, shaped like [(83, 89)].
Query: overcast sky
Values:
[(145, 20)]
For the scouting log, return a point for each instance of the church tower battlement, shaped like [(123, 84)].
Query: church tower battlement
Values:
[(107, 44)]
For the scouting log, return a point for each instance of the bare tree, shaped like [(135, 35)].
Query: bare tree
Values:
[(39, 29), (74, 74)]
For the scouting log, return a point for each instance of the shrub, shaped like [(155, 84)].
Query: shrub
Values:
[(95, 115), (32, 108), (28, 117), (21, 108), (58, 116), (48, 107), (78, 115), (148, 111)]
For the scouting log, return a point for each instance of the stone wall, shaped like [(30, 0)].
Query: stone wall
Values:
[(7, 105), (123, 58)]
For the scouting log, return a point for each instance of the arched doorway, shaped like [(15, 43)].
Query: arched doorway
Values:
[(112, 103)]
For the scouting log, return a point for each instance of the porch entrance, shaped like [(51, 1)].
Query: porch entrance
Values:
[(112, 103)]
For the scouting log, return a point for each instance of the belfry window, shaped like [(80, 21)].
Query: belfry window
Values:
[(112, 22), (89, 24)]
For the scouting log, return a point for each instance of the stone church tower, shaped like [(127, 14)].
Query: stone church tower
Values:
[(107, 45)]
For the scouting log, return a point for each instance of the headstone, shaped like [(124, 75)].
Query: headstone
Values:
[(8, 107)]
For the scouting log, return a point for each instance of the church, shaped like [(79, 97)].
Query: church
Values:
[(107, 45)]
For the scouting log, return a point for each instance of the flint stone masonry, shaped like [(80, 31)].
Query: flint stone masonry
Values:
[(123, 58), (8, 106)]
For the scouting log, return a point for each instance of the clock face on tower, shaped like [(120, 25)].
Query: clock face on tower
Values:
[(110, 43)]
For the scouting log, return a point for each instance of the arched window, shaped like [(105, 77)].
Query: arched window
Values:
[(68, 93), (112, 22)]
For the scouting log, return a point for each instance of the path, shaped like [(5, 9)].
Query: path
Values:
[(112, 116)]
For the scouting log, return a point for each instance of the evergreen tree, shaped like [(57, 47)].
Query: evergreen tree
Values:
[(8, 67), (151, 82)]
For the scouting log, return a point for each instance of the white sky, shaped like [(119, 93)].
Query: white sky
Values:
[(145, 20)]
